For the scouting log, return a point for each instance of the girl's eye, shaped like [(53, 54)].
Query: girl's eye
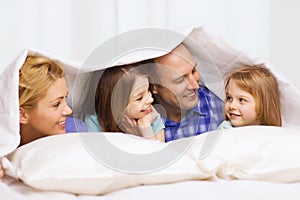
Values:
[(242, 100), (139, 98), (228, 98)]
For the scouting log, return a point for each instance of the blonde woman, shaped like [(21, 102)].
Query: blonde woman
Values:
[(42, 96), (252, 98)]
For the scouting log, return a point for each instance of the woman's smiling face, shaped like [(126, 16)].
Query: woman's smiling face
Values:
[(49, 117)]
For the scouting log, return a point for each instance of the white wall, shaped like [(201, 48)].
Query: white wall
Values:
[(285, 38)]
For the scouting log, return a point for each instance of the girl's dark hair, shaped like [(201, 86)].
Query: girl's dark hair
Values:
[(112, 95)]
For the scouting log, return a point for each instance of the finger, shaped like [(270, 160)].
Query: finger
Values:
[(134, 122)]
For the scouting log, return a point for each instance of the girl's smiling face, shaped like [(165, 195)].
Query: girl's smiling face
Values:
[(240, 106), (140, 100)]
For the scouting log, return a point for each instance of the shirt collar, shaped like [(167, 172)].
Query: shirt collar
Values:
[(191, 113)]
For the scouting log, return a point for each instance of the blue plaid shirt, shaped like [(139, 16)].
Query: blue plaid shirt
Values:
[(206, 116)]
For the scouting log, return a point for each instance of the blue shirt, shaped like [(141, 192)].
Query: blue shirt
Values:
[(206, 116), (93, 124), (74, 125), (225, 125)]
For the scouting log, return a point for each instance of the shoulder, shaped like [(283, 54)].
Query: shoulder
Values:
[(225, 125), (158, 124), (92, 123), (203, 90), (74, 125), (206, 95)]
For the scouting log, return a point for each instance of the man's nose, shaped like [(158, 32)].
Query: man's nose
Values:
[(193, 83)]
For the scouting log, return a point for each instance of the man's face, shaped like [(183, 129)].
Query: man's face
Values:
[(178, 81)]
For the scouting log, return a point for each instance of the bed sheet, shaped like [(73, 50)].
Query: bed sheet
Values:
[(210, 190)]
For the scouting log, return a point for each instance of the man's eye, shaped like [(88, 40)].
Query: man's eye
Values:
[(179, 80)]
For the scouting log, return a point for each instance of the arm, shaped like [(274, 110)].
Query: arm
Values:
[(143, 126), (160, 136), (147, 129)]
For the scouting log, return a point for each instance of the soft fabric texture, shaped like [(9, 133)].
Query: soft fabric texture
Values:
[(64, 163)]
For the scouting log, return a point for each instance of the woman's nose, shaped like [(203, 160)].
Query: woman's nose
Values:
[(67, 110)]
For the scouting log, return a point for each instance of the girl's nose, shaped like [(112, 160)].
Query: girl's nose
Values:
[(233, 105), (149, 99)]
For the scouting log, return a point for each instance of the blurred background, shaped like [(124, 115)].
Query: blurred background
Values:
[(72, 29)]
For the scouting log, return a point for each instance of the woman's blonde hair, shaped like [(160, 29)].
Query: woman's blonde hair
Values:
[(262, 85), (35, 78)]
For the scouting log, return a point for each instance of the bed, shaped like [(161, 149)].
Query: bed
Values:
[(254, 162)]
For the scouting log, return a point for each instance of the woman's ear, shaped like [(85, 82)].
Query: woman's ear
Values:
[(23, 116)]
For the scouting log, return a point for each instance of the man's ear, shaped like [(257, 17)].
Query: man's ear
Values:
[(23, 116), (154, 89)]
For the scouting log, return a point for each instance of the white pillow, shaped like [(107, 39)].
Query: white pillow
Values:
[(70, 162), (65, 163), (253, 152)]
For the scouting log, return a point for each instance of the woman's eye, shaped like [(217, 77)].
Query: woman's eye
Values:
[(57, 104)]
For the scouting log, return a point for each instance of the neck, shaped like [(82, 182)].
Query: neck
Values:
[(28, 134), (176, 116), (170, 112)]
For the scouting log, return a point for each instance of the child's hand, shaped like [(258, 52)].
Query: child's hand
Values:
[(148, 119), (129, 125)]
